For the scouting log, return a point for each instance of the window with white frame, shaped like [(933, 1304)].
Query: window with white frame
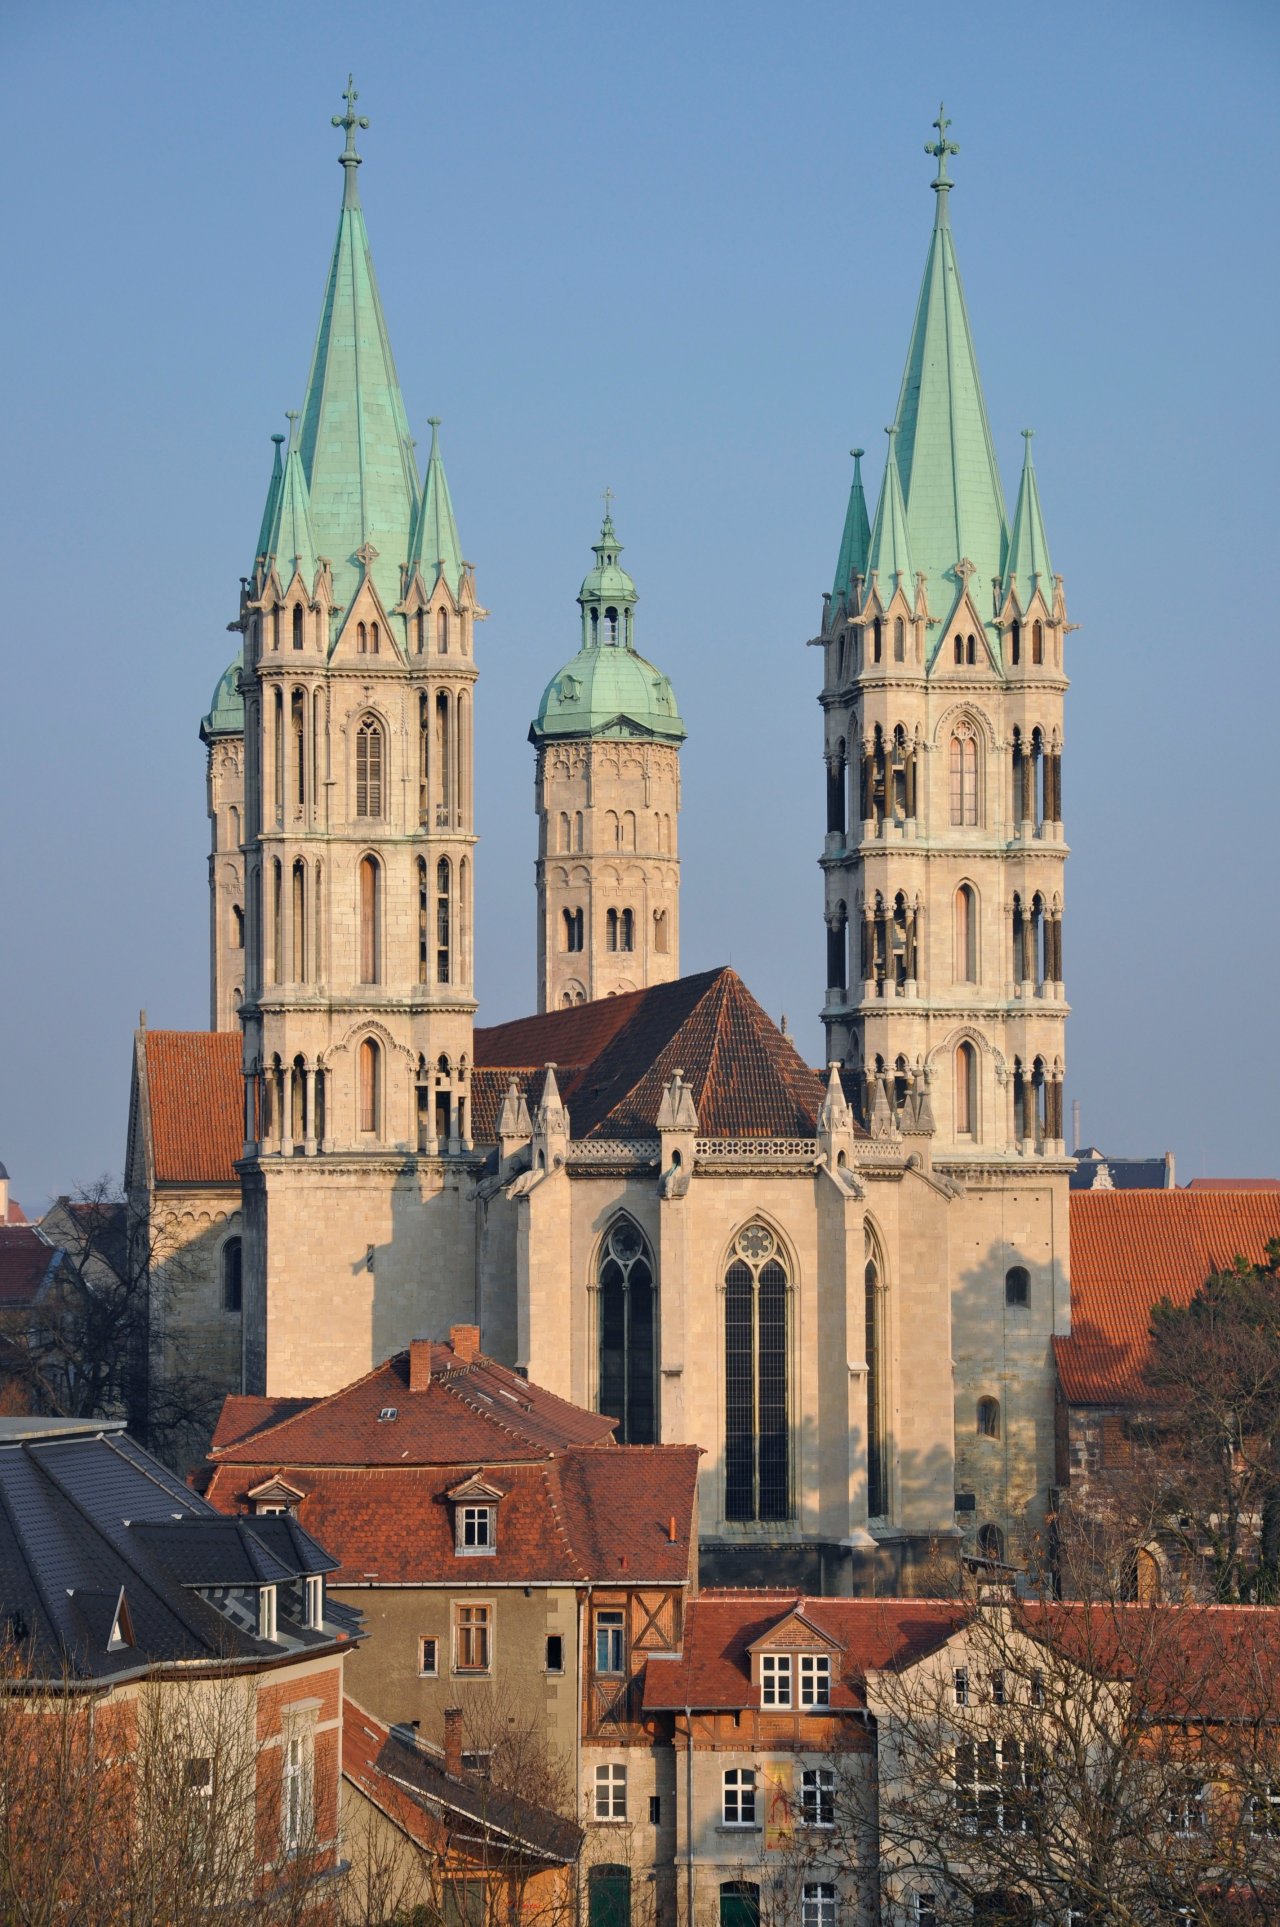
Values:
[(474, 1530), (815, 1679), (818, 1796), (818, 1907), (267, 1612), (609, 1641), (961, 1685), (775, 1679), (472, 1637), (296, 1791), (1185, 1807), (198, 1778), (739, 1796), (1264, 1810), (611, 1792), (428, 1656), (924, 1908), (994, 1781), (315, 1600)]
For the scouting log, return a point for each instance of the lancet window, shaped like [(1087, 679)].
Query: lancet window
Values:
[(966, 935), (877, 1386), (964, 774), (369, 768), (370, 905), (966, 1097), (627, 1324), (757, 1372), (370, 1091), (444, 935)]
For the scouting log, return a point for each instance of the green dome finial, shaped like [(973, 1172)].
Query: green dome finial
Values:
[(348, 158)]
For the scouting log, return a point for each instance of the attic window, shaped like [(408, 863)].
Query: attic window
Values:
[(815, 1679), (775, 1679), (121, 1634), (315, 1601), (388, 1413), (267, 1613), (475, 1528)]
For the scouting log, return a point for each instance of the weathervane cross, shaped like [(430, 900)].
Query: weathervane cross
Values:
[(942, 146), (608, 497), (350, 120)]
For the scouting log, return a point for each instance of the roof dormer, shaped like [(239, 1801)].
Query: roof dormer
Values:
[(792, 1664), (475, 1516)]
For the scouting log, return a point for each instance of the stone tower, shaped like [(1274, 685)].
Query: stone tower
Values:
[(608, 737), (943, 640), (222, 733), (357, 687)]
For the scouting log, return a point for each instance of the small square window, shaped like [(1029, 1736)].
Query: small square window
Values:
[(555, 1652), (428, 1657), (655, 1809), (611, 1792)]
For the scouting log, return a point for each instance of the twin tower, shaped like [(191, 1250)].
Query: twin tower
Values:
[(341, 796)]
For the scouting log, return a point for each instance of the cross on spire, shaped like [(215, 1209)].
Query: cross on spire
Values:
[(350, 120), (941, 148)]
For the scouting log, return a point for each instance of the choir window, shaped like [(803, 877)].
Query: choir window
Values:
[(757, 1441), (628, 1354)]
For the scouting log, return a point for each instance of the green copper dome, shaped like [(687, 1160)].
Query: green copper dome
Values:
[(226, 711), (608, 689)]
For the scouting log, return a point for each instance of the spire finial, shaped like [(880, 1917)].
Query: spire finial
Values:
[(857, 453), (607, 498), (1027, 433), (349, 159), (293, 417), (940, 149)]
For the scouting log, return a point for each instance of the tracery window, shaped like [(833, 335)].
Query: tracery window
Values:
[(369, 768), (757, 1439), (628, 1354), (964, 774)]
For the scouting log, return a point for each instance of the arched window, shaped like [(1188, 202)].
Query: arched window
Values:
[(562, 842), (966, 1090), (970, 650), (1017, 1285), (369, 762), (958, 649), (964, 775), (628, 1355), (299, 907), (609, 1895), (611, 624), (991, 1546), (277, 921), (739, 1903), (877, 640), (444, 763), (373, 638), (989, 1418), (572, 929), (297, 625), (298, 1100), (237, 927), (1037, 642), (443, 933), (611, 930), (628, 829), (278, 754), (362, 639), (420, 627), (424, 922), (899, 639), (757, 1475), (966, 935), (370, 893), (298, 741), (1015, 644), (442, 631), (627, 930), (424, 759), (877, 1388), (232, 1286), (370, 1086), (660, 933), (577, 830)]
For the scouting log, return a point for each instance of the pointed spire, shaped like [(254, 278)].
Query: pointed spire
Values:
[(1028, 548), (857, 535), (291, 540), (835, 1114), (946, 460), (273, 498), (888, 551), (357, 453), (435, 549)]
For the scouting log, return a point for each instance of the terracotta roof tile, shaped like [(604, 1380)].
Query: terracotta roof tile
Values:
[(614, 1057), (243, 1414), (196, 1093), (1129, 1249), (466, 1413), (26, 1261)]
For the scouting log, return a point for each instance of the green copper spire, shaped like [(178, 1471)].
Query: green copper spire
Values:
[(356, 450), (273, 497), (435, 548), (857, 535), (291, 540), (950, 481), (888, 550), (1028, 547)]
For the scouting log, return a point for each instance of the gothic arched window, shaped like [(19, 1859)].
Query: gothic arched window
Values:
[(369, 768), (989, 1418), (877, 1382), (370, 879), (966, 1091), (991, 1543), (424, 921), (627, 930), (966, 935), (442, 631), (899, 639), (1017, 1285), (370, 1067), (757, 1447), (660, 933), (964, 775), (443, 931), (628, 1352), (297, 625), (232, 1292), (572, 929), (1015, 644), (1037, 642)]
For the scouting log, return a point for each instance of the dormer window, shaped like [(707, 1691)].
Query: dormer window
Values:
[(476, 1529), (267, 1613), (315, 1601), (775, 1679), (815, 1679)]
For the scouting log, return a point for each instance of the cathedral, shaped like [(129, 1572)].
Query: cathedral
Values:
[(842, 1283)]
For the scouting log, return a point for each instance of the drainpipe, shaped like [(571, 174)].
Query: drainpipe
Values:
[(688, 1812), (580, 1713)]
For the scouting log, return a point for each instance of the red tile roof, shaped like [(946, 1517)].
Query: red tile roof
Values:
[(16, 1214), (1129, 1249), (467, 1413), (26, 1261), (614, 1057), (598, 1513), (714, 1669), (1198, 1662), (196, 1099)]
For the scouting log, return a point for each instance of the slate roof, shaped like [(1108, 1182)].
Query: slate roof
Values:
[(87, 1516), (27, 1262), (613, 1058), (466, 1412), (195, 1094), (411, 1786), (714, 1668), (1129, 1249)]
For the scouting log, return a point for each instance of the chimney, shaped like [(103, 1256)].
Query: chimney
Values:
[(453, 1741), (4, 1195), (419, 1364), (465, 1340)]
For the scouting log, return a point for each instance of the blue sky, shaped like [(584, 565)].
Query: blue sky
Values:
[(673, 249)]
